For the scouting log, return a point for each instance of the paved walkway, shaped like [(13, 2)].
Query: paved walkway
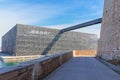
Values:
[(83, 69)]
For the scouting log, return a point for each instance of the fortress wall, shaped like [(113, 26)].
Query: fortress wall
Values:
[(109, 43)]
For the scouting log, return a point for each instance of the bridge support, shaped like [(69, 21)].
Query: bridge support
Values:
[(109, 43)]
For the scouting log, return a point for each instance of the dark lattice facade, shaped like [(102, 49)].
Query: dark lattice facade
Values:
[(31, 40)]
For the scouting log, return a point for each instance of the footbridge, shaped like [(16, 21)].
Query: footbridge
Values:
[(73, 65)]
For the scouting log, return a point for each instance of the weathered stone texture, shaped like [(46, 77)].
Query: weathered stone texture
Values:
[(35, 69), (109, 43)]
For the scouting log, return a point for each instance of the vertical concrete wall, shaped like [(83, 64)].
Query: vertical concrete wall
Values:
[(109, 43), (9, 41)]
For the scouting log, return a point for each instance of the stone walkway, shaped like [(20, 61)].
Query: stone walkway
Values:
[(84, 68)]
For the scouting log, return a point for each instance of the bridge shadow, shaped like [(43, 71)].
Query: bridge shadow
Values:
[(52, 43)]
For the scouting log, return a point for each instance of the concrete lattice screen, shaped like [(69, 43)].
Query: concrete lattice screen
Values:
[(55, 39), (23, 40)]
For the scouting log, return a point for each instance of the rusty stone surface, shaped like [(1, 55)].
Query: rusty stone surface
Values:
[(9, 76), (109, 43)]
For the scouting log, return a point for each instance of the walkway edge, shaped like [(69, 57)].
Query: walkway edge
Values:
[(111, 66)]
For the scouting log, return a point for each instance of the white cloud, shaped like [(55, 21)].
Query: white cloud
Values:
[(25, 14), (30, 14), (95, 29)]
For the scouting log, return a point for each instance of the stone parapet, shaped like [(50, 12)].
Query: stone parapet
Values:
[(35, 69)]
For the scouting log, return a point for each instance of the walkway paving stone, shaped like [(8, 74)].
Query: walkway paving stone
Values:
[(83, 68)]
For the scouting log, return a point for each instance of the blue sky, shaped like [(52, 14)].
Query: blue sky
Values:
[(50, 13)]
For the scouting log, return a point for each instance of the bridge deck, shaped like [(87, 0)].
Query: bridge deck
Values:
[(84, 68)]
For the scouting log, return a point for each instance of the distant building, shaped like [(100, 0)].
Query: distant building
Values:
[(30, 40)]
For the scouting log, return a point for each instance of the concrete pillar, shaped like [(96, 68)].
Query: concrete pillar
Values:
[(109, 43)]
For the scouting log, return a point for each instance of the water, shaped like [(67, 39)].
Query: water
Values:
[(2, 64)]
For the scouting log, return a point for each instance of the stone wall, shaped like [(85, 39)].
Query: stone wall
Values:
[(35, 69), (109, 43)]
